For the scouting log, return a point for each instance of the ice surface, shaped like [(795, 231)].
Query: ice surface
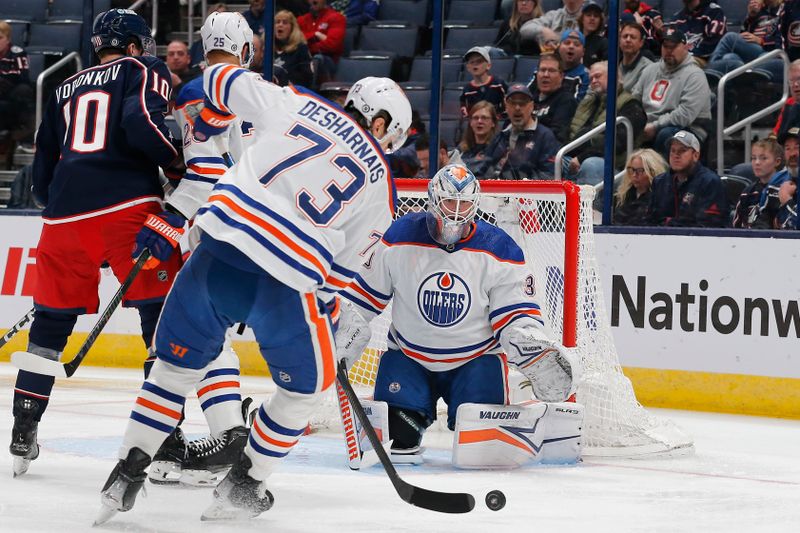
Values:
[(745, 476)]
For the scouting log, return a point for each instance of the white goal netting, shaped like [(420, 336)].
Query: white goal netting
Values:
[(552, 222)]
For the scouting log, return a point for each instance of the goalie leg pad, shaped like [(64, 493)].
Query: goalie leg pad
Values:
[(498, 436), (378, 415), (563, 424), (406, 428)]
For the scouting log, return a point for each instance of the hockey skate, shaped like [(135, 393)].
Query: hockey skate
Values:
[(208, 459), (168, 460), (239, 496), (119, 492), (24, 446)]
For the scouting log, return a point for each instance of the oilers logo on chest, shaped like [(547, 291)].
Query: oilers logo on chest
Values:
[(443, 299)]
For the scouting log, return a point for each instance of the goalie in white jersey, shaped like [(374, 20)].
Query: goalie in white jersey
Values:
[(282, 233), (463, 306)]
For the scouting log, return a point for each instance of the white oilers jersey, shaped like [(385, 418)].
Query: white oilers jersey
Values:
[(312, 194), (205, 162), (447, 307)]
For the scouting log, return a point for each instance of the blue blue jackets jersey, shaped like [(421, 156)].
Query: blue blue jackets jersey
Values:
[(449, 305), (103, 137), (700, 201)]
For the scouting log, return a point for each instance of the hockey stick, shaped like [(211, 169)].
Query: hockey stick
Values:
[(16, 327), (48, 367), (443, 502)]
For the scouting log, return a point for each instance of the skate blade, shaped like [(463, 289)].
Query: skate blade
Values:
[(105, 514), (20, 466), (202, 478), (164, 473), (218, 511)]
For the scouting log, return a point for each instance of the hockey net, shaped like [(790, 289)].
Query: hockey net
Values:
[(552, 223)]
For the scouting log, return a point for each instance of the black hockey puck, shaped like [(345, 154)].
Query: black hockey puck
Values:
[(495, 500)]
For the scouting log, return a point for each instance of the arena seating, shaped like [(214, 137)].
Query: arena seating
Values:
[(413, 11)]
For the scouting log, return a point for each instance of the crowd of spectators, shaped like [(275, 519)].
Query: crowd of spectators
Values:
[(512, 126)]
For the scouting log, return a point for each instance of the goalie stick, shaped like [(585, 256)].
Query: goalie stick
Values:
[(16, 327), (48, 367), (443, 502)]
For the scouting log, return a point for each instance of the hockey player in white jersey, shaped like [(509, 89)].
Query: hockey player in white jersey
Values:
[(282, 233), (463, 306), (227, 39)]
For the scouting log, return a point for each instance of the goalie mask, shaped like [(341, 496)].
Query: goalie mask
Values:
[(228, 32), (370, 96), (453, 195)]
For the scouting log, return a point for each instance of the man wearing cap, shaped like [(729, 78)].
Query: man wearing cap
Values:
[(525, 150), (704, 23), (576, 75), (555, 103), (549, 26), (483, 86), (593, 25), (779, 207), (675, 94), (634, 59), (688, 194)]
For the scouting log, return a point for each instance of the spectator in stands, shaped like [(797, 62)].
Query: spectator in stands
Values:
[(588, 164), (787, 213), (324, 30), (357, 12), (16, 92), (632, 198), (634, 61), (257, 64), (688, 194), (767, 160), (555, 102), (549, 26), (255, 16), (21, 193), (483, 85), (675, 94), (592, 24), (703, 22), (291, 50), (196, 53), (778, 203), (571, 49), (651, 22), (525, 149), (178, 63), (509, 37), (790, 28), (760, 34), (423, 154), (794, 88), (480, 131)]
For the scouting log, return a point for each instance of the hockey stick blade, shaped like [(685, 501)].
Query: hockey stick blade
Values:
[(16, 327), (40, 365), (442, 502)]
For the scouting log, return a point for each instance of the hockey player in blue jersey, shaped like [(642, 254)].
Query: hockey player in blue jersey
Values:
[(98, 150), (282, 233), (463, 306)]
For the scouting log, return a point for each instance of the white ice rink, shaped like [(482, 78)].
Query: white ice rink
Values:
[(745, 476)]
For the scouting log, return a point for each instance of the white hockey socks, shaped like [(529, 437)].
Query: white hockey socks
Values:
[(219, 392)]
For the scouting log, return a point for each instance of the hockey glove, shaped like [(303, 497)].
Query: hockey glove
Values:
[(160, 234), (352, 334), (210, 122), (551, 368)]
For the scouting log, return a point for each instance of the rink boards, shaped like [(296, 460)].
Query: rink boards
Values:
[(705, 322)]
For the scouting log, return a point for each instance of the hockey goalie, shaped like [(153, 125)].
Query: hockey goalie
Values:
[(463, 308)]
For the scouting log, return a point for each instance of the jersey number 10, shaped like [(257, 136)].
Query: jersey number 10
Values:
[(88, 137), (337, 197)]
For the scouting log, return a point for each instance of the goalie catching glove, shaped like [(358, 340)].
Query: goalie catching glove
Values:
[(551, 368), (160, 234), (352, 334)]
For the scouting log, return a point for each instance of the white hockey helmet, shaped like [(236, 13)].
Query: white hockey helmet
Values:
[(369, 96), (229, 32), (453, 196)]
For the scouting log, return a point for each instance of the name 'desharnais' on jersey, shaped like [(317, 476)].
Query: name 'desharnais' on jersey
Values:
[(344, 128)]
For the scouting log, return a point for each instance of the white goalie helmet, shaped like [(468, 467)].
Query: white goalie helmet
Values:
[(453, 196), (230, 33), (371, 95)]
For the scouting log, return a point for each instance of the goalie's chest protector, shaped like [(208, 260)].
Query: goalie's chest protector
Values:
[(446, 302)]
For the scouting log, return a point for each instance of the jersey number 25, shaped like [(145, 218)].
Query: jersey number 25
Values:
[(337, 197)]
